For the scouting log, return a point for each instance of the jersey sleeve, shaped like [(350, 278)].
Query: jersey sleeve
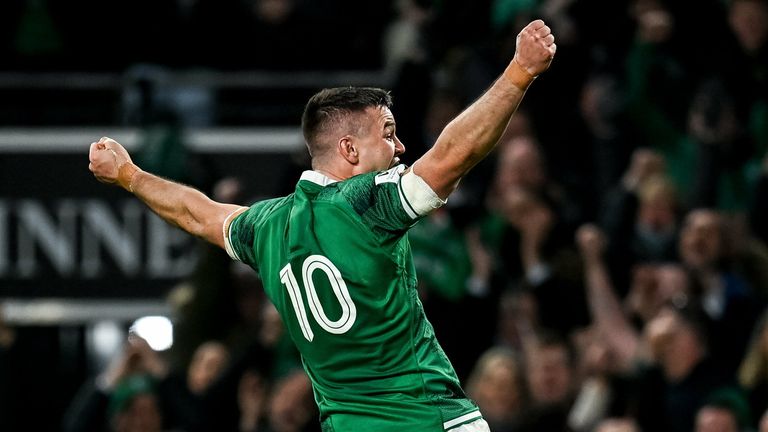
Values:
[(238, 235), (391, 201), (240, 232)]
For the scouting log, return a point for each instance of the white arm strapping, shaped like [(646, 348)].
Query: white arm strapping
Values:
[(419, 195)]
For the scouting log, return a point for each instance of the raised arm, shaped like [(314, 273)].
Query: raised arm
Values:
[(469, 137), (605, 308), (178, 204)]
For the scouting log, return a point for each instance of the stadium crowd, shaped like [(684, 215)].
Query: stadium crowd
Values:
[(605, 270)]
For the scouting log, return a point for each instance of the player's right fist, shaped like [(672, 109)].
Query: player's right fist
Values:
[(111, 163)]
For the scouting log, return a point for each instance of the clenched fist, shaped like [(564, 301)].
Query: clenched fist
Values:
[(111, 163), (535, 48)]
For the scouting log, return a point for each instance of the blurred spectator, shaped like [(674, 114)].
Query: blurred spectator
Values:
[(603, 107), (641, 217), (291, 405), (608, 316), (414, 83), (689, 115), (527, 231), (522, 165), (748, 20), (551, 380), (209, 360), (764, 422), (133, 406), (216, 301), (404, 37), (135, 393), (517, 320), (455, 278), (251, 401), (717, 124), (726, 410), (725, 295), (617, 425), (652, 287), (753, 370), (681, 374), (239, 398), (594, 394), (496, 384)]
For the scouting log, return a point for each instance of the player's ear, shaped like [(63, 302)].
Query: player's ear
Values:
[(348, 149)]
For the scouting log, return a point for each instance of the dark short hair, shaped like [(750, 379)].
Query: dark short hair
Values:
[(331, 104)]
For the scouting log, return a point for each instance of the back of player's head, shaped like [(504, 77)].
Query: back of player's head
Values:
[(332, 108)]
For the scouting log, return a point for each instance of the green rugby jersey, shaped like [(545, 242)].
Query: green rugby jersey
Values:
[(335, 260)]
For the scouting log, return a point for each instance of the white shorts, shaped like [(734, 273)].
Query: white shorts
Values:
[(478, 425)]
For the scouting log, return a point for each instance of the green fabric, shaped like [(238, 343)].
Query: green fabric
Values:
[(366, 344), (441, 257), (126, 390), (37, 34), (504, 12), (733, 399)]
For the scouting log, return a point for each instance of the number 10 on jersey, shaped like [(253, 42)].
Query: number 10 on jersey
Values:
[(348, 310)]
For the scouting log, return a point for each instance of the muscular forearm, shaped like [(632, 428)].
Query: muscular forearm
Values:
[(474, 133), (182, 206)]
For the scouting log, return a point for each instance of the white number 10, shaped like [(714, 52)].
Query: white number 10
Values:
[(348, 310)]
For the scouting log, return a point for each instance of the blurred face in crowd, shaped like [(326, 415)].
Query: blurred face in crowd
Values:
[(549, 374), (291, 404), (657, 205), (141, 415), (495, 385), (674, 343), (273, 11), (764, 422), (207, 363), (520, 164), (596, 356), (271, 325), (749, 21), (701, 239), (715, 419), (671, 281), (521, 207), (517, 311), (617, 425), (653, 285)]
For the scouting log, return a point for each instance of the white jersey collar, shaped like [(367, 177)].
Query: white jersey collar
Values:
[(317, 178)]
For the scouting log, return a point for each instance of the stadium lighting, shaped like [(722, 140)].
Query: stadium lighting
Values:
[(156, 330)]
